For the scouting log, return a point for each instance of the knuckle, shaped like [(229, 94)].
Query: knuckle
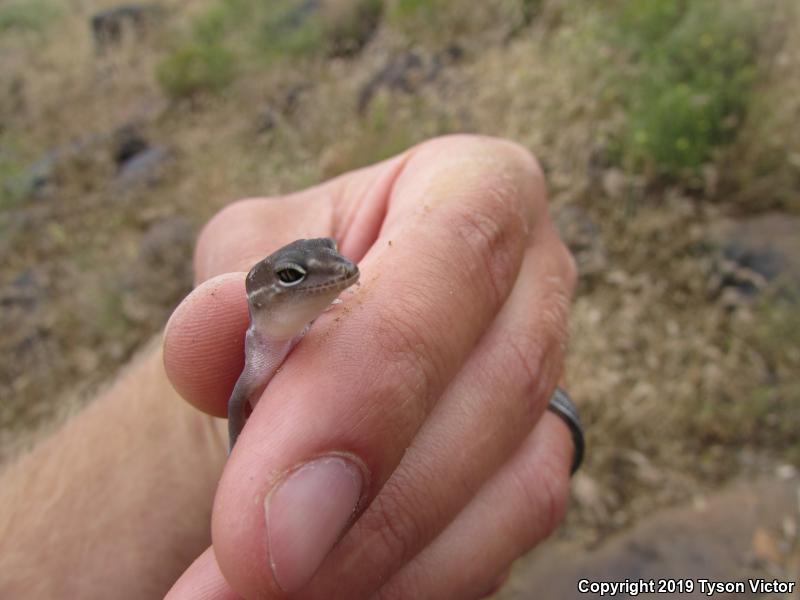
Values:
[(493, 238), (553, 484), (553, 323), (408, 587), (545, 487), (525, 356), (568, 266), (518, 155), (502, 149), (392, 527), (538, 363), (499, 155), (412, 367)]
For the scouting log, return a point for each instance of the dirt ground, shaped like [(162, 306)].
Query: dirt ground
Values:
[(685, 333)]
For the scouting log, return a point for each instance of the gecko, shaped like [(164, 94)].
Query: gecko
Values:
[(286, 292)]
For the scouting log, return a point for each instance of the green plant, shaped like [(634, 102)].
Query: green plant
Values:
[(695, 66), (289, 29), (14, 181), (642, 25), (530, 9), (212, 26), (27, 15), (196, 68), (305, 28)]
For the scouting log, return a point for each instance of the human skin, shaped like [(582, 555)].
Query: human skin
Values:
[(116, 503), (425, 390), (402, 450)]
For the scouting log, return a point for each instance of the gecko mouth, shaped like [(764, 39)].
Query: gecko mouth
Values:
[(344, 281)]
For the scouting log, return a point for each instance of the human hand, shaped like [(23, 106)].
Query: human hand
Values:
[(402, 450)]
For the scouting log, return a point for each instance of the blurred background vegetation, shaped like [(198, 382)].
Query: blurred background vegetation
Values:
[(668, 130)]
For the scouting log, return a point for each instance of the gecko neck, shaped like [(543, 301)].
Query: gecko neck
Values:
[(287, 316)]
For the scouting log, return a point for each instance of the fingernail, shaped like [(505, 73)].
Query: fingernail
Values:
[(306, 514)]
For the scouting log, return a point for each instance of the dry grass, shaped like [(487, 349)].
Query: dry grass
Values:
[(675, 383)]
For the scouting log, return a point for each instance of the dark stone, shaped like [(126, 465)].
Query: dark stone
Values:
[(284, 106), (351, 35), (266, 121), (40, 180), (145, 168), (402, 73), (128, 142), (759, 250), (108, 26), (406, 73), (167, 239), (23, 294), (583, 237), (452, 54), (292, 98)]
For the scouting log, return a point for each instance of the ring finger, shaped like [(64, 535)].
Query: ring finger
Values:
[(516, 509)]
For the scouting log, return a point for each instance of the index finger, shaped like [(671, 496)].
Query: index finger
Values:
[(204, 338)]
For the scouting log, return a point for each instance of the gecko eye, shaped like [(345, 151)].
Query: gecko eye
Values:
[(290, 275)]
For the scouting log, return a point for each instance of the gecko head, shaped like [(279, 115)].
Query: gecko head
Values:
[(289, 288)]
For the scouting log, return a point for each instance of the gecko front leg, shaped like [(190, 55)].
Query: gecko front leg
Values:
[(262, 359)]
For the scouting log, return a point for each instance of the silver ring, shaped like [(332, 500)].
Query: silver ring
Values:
[(562, 405)]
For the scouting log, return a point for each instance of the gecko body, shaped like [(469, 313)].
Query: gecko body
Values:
[(285, 293)]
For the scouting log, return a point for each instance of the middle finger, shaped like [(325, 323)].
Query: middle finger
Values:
[(484, 415)]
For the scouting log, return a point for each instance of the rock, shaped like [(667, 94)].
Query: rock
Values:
[(757, 251), (340, 28), (285, 106), (291, 100), (127, 143), (25, 291), (768, 245), (350, 24), (40, 180), (266, 120), (165, 240), (146, 168), (406, 72), (402, 73), (109, 26), (583, 237), (732, 535), (453, 53)]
